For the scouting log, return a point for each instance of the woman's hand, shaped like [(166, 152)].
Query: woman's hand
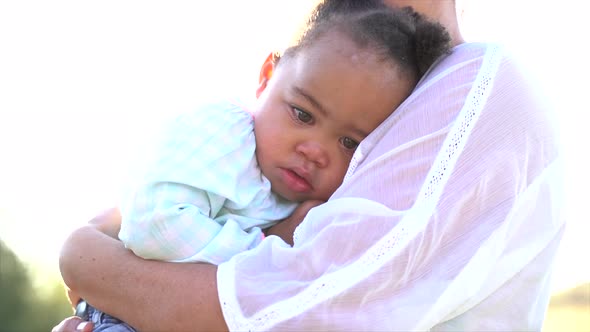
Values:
[(73, 324), (286, 228)]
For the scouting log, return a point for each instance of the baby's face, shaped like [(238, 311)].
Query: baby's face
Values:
[(318, 106)]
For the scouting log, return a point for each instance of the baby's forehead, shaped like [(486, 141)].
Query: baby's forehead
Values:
[(354, 86)]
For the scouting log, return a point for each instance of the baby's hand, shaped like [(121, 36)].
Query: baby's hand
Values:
[(285, 228), (108, 222)]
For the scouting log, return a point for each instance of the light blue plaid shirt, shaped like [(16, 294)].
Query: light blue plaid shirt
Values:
[(201, 196)]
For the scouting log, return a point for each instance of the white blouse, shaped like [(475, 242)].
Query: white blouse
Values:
[(448, 219)]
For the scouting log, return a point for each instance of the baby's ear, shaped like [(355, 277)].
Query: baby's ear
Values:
[(265, 73)]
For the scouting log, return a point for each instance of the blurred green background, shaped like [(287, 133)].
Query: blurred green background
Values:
[(25, 306)]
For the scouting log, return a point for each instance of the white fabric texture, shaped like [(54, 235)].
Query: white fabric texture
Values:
[(448, 218), (199, 195)]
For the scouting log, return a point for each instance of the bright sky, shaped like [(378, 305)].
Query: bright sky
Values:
[(82, 81)]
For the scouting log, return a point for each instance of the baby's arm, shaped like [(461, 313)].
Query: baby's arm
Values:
[(190, 172), (171, 221)]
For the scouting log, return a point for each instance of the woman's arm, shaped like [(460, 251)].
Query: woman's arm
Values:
[(149, 295)]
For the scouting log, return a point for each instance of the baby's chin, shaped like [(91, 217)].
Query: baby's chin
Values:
[(293, 196)]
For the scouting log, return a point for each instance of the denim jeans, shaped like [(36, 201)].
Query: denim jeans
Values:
[(102, 322)]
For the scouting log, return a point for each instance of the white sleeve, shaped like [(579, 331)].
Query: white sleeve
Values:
[(448, 219)]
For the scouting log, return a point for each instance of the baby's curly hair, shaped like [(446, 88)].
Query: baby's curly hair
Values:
[(400, 35)]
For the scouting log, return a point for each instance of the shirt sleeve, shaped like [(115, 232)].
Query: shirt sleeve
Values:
[(201, 161), (443, 223)]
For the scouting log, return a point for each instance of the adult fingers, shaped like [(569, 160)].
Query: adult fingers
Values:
[(73, 324)]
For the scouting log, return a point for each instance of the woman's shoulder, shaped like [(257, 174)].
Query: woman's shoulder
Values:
[(471, 64)]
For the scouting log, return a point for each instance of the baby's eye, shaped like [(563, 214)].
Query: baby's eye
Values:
[(349, 143), (302, 116)]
